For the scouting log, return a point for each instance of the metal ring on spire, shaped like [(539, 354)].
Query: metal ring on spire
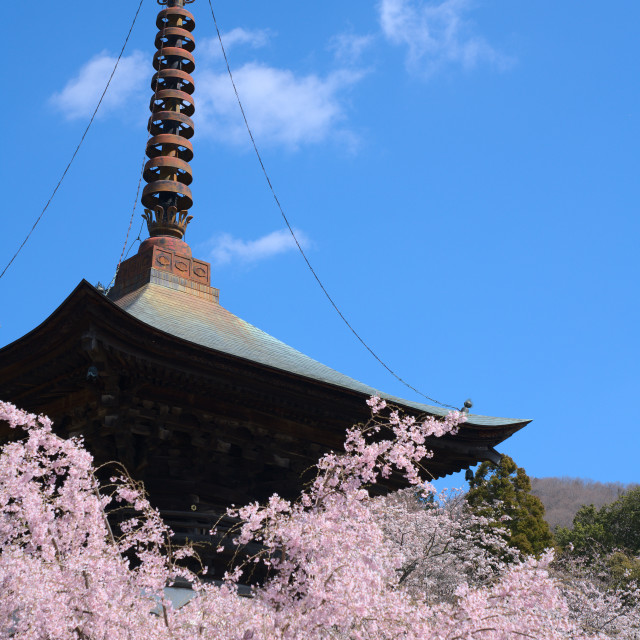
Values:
[(167, 196)]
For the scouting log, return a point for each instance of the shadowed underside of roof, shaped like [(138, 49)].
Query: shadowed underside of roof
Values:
[(209, 325)]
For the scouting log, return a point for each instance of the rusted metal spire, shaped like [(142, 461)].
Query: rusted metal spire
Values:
[(167, 196), (164, 258)]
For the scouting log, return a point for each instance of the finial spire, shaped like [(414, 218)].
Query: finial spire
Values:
[(165, 258), (167, 197)]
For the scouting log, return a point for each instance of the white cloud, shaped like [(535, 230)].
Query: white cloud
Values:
[(226, 248), (80, 96), (282, 108), (436, 34), (349, 47), (254, 38)]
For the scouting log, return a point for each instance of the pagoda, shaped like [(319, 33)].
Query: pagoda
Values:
[(204, 408)]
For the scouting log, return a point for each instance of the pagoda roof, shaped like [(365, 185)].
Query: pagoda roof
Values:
[(228, 360), (208, 324)]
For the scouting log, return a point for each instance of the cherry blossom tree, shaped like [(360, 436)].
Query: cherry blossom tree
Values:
[(601, 591), (339, 563), (442, 541), (63, 572)]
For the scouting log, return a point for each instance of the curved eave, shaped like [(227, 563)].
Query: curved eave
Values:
[(182, 323), (211, 326)]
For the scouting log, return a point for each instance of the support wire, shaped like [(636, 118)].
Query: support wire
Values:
[(293, 235), (75, 153)]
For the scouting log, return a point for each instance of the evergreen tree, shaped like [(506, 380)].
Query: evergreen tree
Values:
[(503, 492)]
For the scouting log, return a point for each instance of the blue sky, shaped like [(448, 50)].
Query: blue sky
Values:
[(463, 174)]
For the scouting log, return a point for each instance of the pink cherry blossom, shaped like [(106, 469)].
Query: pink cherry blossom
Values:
[(340, 562)]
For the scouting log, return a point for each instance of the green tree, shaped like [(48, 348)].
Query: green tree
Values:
[(503, 493), (606, 540), (614, 526), (622, 519)]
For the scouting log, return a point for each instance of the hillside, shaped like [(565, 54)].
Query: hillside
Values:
[(562, 497)]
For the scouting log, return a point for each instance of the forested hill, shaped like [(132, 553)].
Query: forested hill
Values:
[(562, 497)]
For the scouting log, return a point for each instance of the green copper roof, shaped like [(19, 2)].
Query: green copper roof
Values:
[(206, 323)]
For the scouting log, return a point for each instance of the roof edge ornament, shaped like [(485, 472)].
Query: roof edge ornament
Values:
[(167, 197)]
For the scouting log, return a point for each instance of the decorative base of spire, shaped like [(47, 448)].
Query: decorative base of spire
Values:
[(167, 223), (167, 243), (165, 260)]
